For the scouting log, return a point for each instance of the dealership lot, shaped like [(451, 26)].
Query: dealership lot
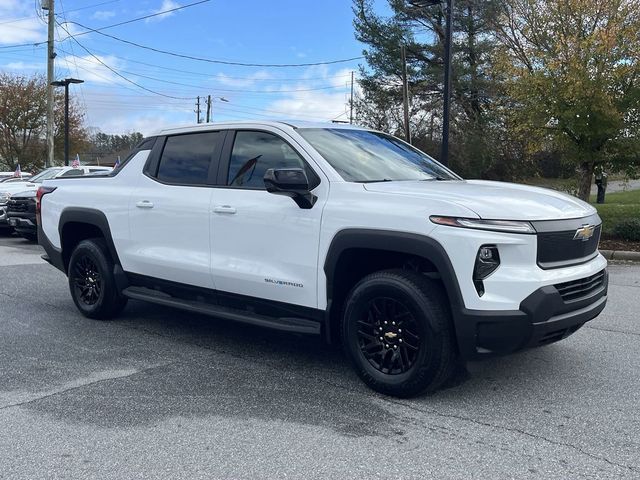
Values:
[(161, 393)]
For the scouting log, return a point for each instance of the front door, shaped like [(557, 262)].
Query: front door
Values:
[(264, 245)]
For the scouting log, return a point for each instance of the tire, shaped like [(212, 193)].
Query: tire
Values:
[(417, 353), (91, 281)]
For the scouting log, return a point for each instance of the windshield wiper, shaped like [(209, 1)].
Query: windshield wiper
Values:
[(376, 181)]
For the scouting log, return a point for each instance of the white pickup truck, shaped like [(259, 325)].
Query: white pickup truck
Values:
[(332, 230)]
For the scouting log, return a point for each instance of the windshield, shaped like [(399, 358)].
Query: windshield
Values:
[(364, 156), (45, 175)]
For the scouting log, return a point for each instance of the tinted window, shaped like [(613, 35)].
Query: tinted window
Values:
[(256, 152), (186, 158), (364, 156), (45, 175), (76, 172)]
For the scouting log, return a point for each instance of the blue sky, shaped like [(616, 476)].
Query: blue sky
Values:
[(248, 31)]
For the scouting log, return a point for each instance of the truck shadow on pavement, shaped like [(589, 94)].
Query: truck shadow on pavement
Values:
[(195, 366)]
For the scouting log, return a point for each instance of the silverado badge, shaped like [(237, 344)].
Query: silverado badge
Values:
[(584, 233)]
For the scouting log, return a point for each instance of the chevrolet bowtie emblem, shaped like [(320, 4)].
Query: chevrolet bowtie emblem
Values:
[(390, 335), (584, 233)]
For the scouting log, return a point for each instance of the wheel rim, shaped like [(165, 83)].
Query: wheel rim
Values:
[(388, 336), (87, 281)]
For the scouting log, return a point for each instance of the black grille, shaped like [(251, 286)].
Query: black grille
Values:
[(21, 205), (577, 289), (559, 249)]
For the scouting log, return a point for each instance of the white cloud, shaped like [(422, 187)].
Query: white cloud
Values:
[(310, 105), (19, 24), (91, 70), (22, 66), (166, 5), (249, 81), (103, 14), (316, 104)]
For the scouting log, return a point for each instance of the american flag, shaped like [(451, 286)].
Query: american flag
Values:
[(76, 162), (117, 163), (18, 172)]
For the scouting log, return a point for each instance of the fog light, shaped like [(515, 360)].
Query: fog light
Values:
[(487, 262)]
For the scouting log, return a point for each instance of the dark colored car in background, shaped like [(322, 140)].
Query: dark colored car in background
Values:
[(21, 214)]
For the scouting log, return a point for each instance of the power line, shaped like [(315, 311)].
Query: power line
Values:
[(137, 19), (22, 19), (211, 75), (109, 26), (210, 60), (117, 73), (268, 92), (64, 16)]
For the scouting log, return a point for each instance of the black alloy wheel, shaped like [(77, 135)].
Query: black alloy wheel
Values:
[(87, 280), (388, 336), (91, 280)]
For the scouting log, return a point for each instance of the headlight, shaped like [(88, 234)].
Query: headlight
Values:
[(509, 226), (4, 197)]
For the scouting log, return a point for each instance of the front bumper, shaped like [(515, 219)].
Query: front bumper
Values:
[(544, 317), (22, 224)]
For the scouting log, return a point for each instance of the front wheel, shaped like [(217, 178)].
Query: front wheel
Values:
[(397, 333), (91, 281)]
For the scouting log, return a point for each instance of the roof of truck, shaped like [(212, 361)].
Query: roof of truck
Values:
[(266, 123)]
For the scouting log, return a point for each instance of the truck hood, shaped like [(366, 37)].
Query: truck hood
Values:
[(15, 187), (492, 200)]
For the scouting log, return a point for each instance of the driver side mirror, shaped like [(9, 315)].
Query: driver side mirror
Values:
[(290, 182)]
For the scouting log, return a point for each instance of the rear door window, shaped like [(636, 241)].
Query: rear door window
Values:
[(187, 159)]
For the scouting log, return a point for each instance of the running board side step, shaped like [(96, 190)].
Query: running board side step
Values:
[(294, 325)]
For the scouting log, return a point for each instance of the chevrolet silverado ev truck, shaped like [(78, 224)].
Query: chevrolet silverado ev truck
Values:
[(334, 230)]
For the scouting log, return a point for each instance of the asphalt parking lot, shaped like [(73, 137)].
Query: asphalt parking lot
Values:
[(160, 393)]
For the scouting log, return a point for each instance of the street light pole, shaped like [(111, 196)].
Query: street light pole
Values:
[(209, 102), (65, 83), (444, 154)]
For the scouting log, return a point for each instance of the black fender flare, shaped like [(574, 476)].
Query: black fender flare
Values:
[(393, 241), (89, 216)]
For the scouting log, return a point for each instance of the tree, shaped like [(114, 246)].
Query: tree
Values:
[(477, 128), (107, 147), (572, 78), (23, 110)]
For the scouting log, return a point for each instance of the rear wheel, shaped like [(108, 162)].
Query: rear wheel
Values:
[(91, 281), (397, 333)]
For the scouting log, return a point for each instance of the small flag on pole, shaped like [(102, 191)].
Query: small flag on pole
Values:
[(76, 162), (18, 172), (117, 163)]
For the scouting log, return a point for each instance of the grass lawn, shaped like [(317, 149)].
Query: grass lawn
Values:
[(619, 206)]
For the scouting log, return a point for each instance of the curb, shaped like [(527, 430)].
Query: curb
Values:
[(621, 255)]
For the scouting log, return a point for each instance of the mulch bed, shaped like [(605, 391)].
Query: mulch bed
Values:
[(608, 244)]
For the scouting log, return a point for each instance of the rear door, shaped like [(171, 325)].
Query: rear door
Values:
[(264, 245), (169, 216)]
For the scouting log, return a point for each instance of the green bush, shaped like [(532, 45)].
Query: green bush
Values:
[(628, 230)]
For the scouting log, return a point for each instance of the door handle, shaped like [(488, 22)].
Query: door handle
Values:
[(144, 204), (224, 209)]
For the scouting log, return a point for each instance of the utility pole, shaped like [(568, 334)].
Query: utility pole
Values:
[(51, 55), (351, 102), (198, 110), (208, 108), (405, 95)]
